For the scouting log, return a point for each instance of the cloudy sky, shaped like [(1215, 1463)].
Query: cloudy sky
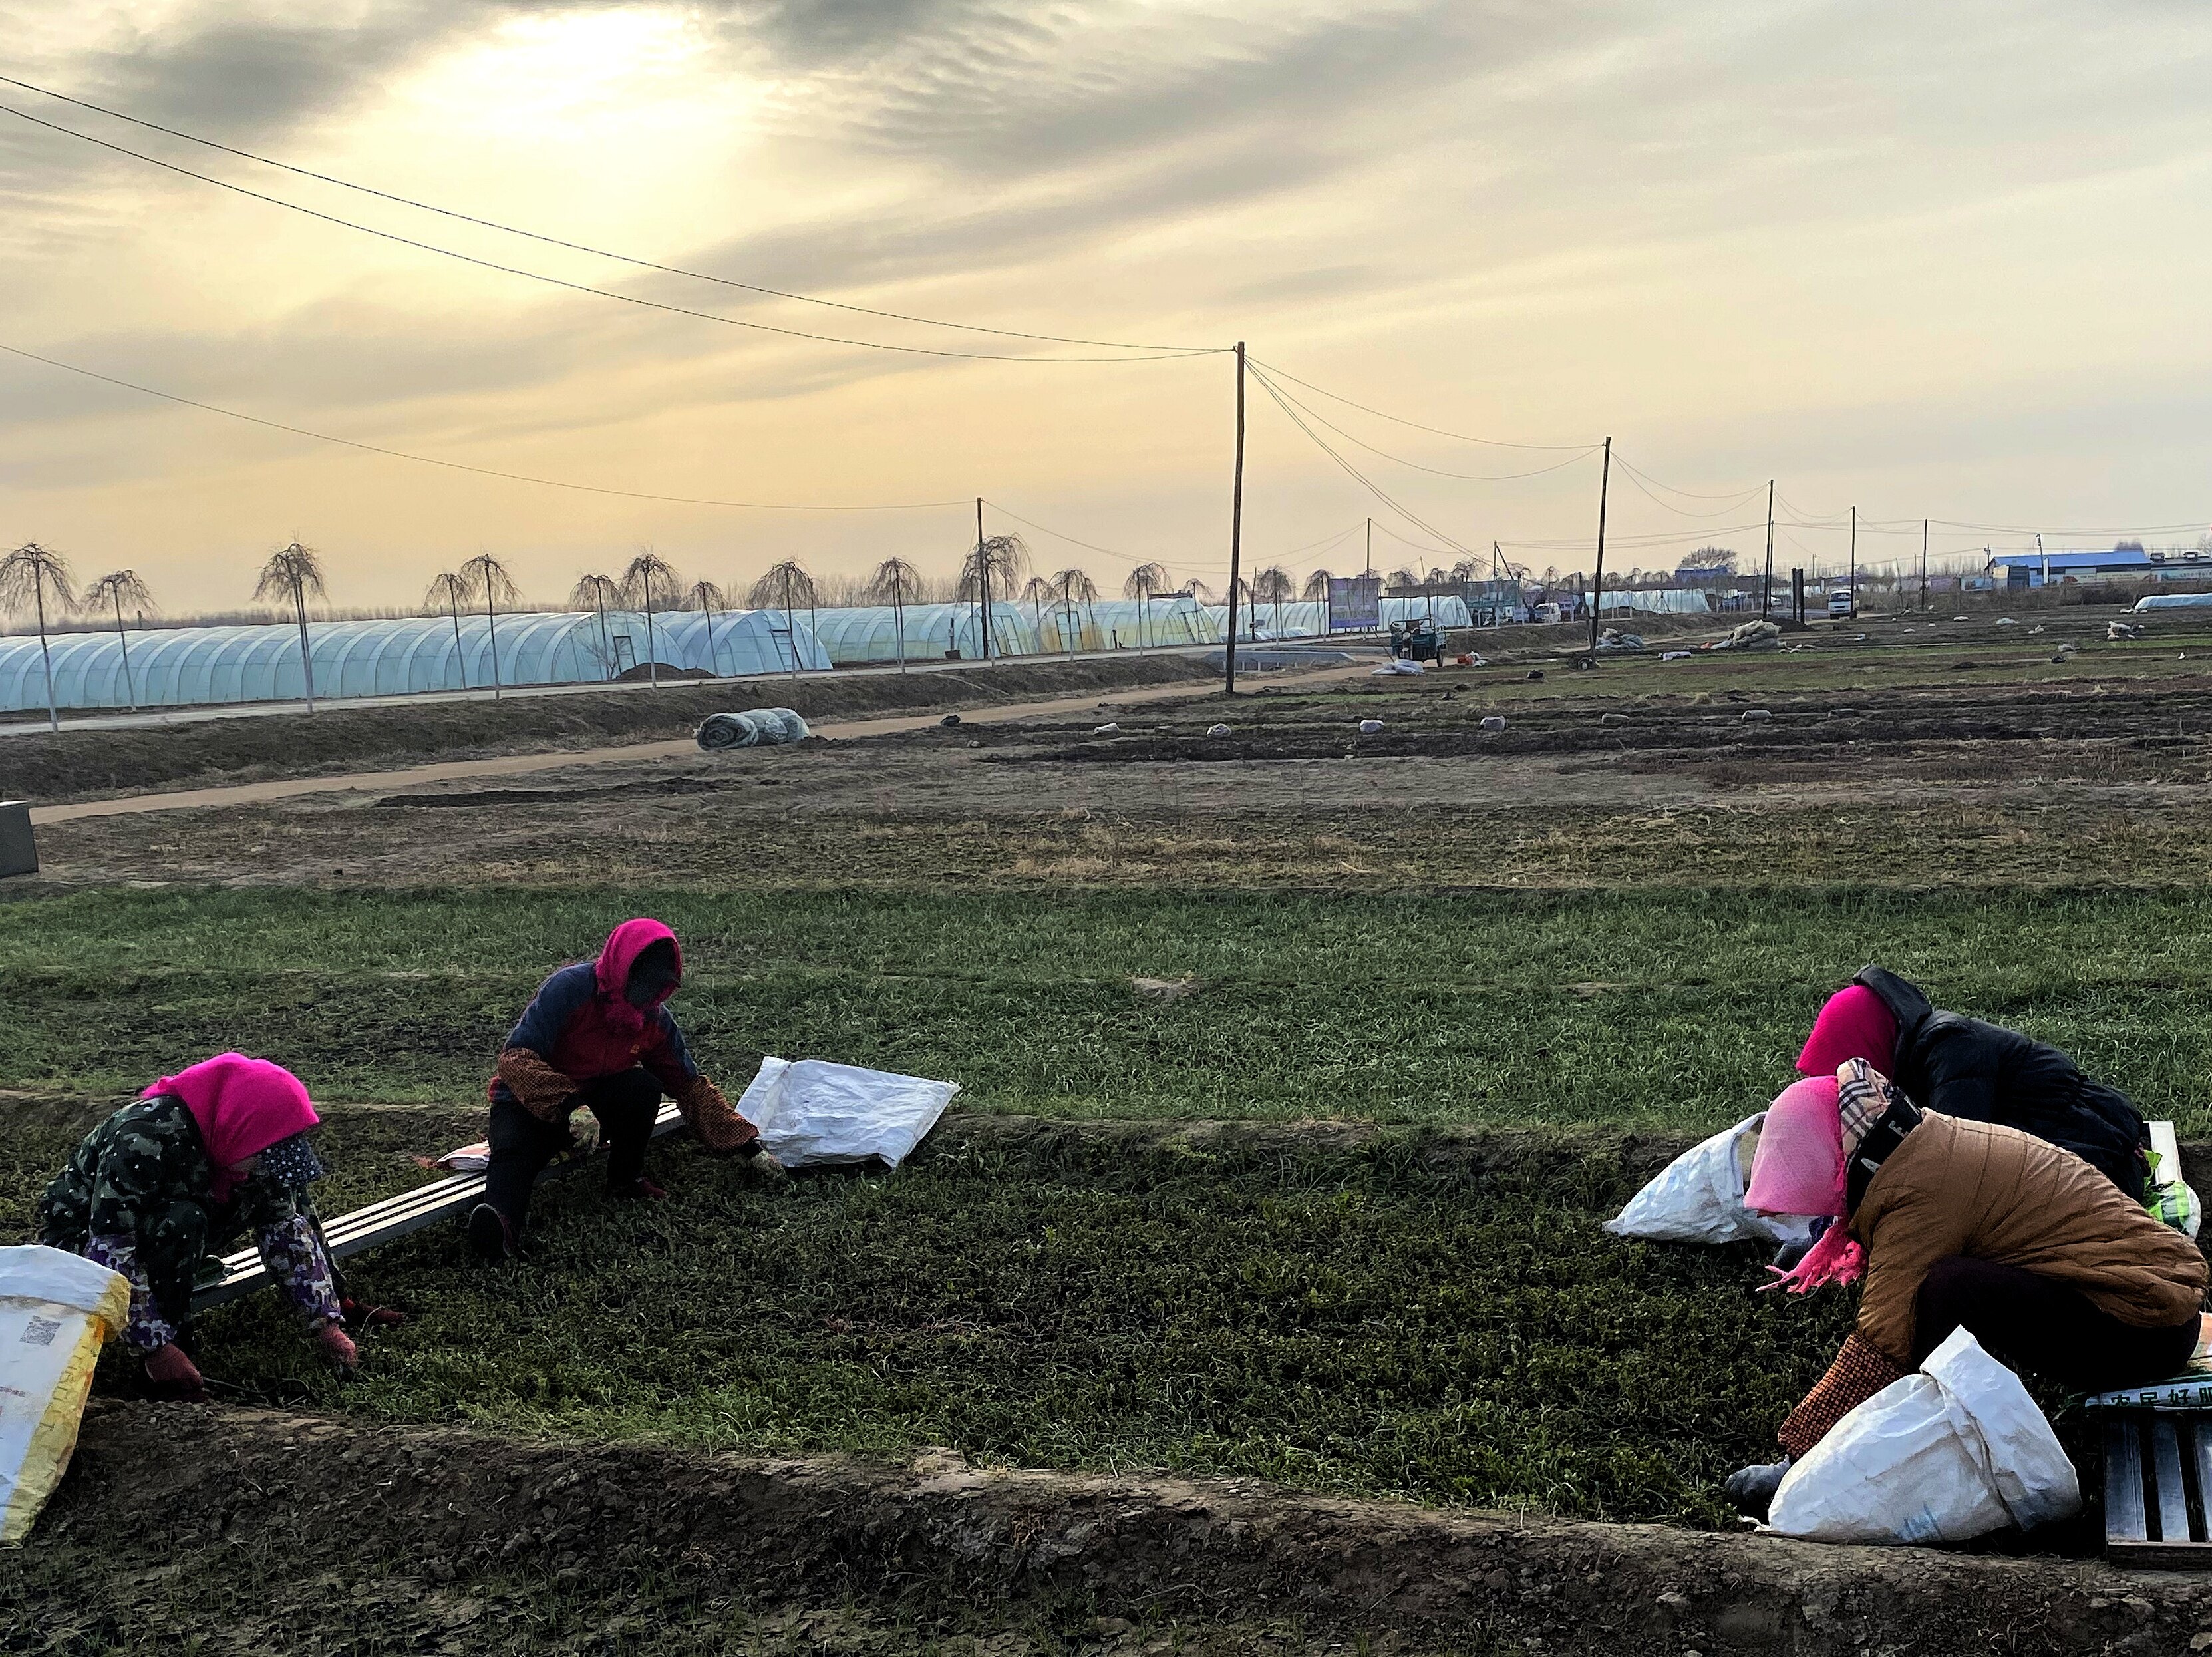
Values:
[(1927, 260)]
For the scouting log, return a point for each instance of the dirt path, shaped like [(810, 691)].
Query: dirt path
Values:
[(254, 794), (430, 1523)]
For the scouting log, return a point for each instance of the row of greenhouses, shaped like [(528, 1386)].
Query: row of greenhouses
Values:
[(193, 666)]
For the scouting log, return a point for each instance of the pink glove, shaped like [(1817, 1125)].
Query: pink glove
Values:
[(174, 1375), (338, 1347)]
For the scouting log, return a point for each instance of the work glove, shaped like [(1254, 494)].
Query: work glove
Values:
[(1787, 1257), (583, 1134), (768, 1164), (337, 1346), (175, 1376), (1751, 1490)]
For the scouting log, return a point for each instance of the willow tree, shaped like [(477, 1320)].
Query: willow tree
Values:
[(894, 580), (489, 577), (1272, 585), (448, 592), (1146, 582), (647, 572), (28, 576), (785, 587), (592, 592), (1075, 587), (1317, 591), (1035, 591), (117, 588), (704, 595), (989, 573), (293, 571)]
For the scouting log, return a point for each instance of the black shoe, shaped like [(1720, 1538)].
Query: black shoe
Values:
[(490, 1236), (1751, 1490)]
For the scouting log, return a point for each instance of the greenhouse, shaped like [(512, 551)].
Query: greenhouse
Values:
[(870, 634), (191, 666)]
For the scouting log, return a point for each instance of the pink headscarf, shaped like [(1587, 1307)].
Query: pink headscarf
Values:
[(1855, 1024), (622, 947), (1799, 1169), (243, 1106)]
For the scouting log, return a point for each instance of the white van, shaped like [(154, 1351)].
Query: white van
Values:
[(1840, 605)]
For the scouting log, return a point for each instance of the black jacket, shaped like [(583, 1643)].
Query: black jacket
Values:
[(1962, 1067)]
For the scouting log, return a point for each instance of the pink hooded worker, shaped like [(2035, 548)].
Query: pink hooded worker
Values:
[(210, 1154), (598, 1035)]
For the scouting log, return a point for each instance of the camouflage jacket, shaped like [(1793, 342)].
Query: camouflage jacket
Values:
[(131, 1169)]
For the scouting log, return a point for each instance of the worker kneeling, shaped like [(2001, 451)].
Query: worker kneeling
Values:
[(201, 1157), (1968, 1225), (598, 1035)]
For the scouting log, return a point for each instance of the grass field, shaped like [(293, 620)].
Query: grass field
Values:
[(1331, 1219)]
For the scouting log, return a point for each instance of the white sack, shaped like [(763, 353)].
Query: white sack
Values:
[(1954, 1451), (810, 1112), (1699, 1198), (55, 1309)]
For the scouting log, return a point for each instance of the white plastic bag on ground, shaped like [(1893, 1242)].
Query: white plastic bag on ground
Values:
[(812, 1111), (1699, 1198), (1956, 1451), (55, 1309)]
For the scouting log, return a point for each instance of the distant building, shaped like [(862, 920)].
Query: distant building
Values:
[(2014, 571)]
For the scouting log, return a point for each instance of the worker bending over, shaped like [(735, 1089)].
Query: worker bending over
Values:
[(1963, 1069), (1957, 1224), (201, 1157), (598, 1035)]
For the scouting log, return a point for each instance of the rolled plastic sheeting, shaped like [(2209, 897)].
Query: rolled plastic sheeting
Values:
[(765, 728), (813, 1113), (55, 1311)]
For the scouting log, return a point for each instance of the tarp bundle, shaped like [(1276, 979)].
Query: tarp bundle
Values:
[(815, 1112), (56, 1310), (763, 727)]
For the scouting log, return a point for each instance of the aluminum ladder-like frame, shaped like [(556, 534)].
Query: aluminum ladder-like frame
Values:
[(386, 1222)]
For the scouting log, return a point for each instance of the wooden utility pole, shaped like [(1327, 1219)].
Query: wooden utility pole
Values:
[(1855, 563), (983, 578), (1597, 582), (1766, 587), (1237, 523), (1924, 563)]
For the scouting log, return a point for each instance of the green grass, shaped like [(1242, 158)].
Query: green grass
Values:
[(1665, 1008), (1390, 1319)]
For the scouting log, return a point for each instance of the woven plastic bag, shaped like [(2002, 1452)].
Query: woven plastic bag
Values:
[(55, 1311), (815, 1112), (1954, 1451), (1699, 1198)]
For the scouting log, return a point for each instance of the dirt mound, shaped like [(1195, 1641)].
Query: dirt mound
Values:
[(77, 764), (390, 1539)]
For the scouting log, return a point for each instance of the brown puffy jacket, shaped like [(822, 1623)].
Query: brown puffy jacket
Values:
[(1994, 1193)]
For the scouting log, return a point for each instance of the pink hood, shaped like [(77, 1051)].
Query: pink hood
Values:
[(243, 1106), (1855, 1024), (1799, 1169), (622, 947)]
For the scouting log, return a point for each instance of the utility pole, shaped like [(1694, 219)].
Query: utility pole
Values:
[(1924, 563), (983, 576), (1766, 587), (1237, 522), (1370, 547), (1597, 582), (1855, 563)]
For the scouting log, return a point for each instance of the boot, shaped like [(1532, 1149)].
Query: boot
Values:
[(491, 1236), (1751, 1490)]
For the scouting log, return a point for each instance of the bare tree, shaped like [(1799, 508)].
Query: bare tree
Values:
[(1199, 591), (489, 576), (786, 586), (1035, 591), (648, 572), (293, 571), (895, 581), (1075, 587), (1146, 582), (592, 592), (1317, 591), (1404, 580), (27, 576), (117, 588), (448, 592), (706, 596), (987, 575), (1272, 585)]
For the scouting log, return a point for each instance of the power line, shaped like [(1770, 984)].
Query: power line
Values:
[(1269, 386), (572, 246), (1640, 480), (1462, 437), (458, 465), (576, 286), (1695, 495), (1466, 477)]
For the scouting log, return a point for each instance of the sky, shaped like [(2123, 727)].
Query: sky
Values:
[(1944, 262)]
